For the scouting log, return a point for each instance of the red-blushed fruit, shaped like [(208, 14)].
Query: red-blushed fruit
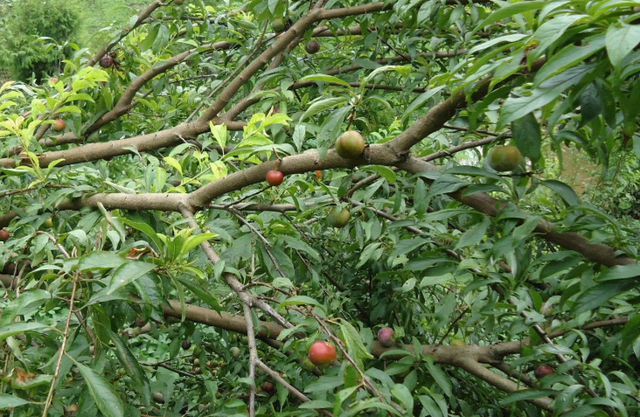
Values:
[(4, 235), (72, 409), (140, 322), (350, 144), (186, 345), (235, 351), (176, 183), (275, 177), (268, 387), (107, 61), (312, 47), (197, 371), (504, 158), (318, 174), (385, 336), (53, 80), (322, 353), (59, 125), (543, 370)]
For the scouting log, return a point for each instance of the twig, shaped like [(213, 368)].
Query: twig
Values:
[(65, 338), (273, 374)]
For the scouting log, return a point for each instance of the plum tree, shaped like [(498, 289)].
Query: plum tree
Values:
[(162, 213)]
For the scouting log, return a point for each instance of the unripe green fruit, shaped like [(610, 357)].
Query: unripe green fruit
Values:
[(235, 352), (504, 158), (350, 144), (338, 218), (458, 342), (158, 397), (278, 25), (48, 223)]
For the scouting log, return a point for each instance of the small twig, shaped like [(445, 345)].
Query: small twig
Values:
[(65, 338), (453, 323), (273, 374)]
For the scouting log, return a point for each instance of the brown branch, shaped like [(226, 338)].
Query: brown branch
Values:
[(500, 382), (231, 280)]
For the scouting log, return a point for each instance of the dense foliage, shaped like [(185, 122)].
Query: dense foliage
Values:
[(150, 269), (34, 36)]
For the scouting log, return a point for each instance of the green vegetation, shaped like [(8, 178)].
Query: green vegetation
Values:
[(433, 214)]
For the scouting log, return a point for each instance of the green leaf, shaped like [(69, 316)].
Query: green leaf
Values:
[(474, 235), (147, 230), (332, 126), (128, 273), (100, 260), (510, 10), (326, 79), (402, 69), (127, 359), (195, 240), (526, 133), (620, 42), (24, 305), (323, 105), (353, 340), (441, 378), (300, 300), (567, 193), (9, 401), (599, 294), (298, 244), (517, 107), (19, 328), (568, 57), (385, 172), (524, 395), (564, 400), (201, 292), (551, 30), (102, 392), (420, 100), (620, 272), (403, 394)]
